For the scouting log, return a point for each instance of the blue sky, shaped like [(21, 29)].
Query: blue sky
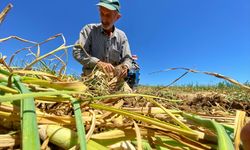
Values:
[(207, 35)]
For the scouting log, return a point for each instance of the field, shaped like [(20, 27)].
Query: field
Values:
[(151, 117)]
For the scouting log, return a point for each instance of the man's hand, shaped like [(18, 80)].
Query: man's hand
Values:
[(106, 67), (121, 71)]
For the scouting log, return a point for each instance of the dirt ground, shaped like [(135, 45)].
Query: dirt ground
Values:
[(212, 103), (202, 102)]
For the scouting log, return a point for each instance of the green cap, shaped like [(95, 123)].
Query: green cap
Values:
[(110, 4)]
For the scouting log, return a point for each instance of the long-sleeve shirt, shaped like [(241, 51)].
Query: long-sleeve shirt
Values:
[(97, 46)]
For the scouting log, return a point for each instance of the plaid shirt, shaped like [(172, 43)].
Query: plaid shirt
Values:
[(97, 46)]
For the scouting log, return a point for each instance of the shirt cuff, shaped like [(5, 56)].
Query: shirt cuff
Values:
[(93, 61), (128, 64)]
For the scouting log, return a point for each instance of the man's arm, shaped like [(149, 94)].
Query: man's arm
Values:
[(126, 61), (126, 53), (82, 48)]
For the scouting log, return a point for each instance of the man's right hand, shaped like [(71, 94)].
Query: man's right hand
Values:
[(106, 67)]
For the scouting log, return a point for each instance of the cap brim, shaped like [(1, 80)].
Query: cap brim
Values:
[(108, 6)]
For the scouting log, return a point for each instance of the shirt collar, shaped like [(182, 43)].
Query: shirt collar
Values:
[(114, 34)]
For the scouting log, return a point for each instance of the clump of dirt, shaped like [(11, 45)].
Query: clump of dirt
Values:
[(210, 103)]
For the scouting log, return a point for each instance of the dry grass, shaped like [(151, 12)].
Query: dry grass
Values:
[(66, 106)]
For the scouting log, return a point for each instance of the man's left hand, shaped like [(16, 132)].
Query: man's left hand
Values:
[(121, 71)]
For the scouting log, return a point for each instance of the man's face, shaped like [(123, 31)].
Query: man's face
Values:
[(108, 17)]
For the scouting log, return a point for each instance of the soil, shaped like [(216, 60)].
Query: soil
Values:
[(207, 102), (210, 103)]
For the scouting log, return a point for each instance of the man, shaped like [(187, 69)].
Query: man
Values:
[(103, 45)]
